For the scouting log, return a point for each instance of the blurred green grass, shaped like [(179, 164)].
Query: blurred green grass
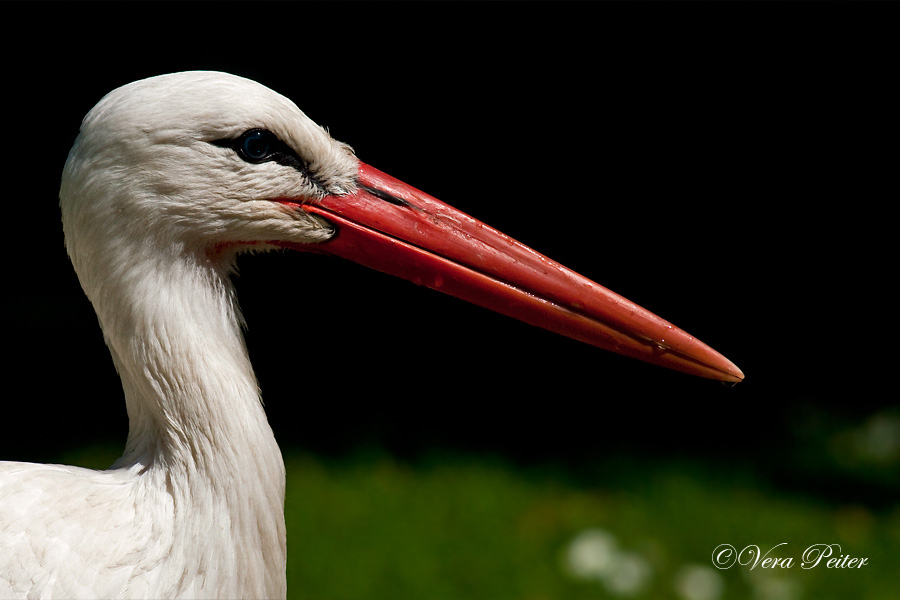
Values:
[(469, 527)]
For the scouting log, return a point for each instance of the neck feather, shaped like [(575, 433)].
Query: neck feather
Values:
[(195, 418)]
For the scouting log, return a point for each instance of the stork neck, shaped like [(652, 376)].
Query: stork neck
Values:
[(173, 328), (197, 429)]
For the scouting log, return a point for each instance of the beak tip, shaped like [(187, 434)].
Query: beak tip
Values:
[(732, 374)]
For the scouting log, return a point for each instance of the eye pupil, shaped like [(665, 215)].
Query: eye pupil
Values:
[(256, 145)]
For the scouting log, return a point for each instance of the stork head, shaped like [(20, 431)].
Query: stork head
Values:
[(201, 164), (192, 161)]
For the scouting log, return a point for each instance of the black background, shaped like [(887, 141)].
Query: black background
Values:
[(731, 168)]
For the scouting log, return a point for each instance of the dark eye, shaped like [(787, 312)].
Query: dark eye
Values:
[(259, 145), (256, 145)]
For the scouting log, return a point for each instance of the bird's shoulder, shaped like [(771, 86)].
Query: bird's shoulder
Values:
[(59, 524)]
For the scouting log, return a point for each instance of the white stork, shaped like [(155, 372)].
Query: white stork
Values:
[(169, 179)]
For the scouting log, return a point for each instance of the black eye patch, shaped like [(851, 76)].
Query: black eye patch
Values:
[(259, 145)]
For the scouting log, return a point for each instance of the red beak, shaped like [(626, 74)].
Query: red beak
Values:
[(394, 228)]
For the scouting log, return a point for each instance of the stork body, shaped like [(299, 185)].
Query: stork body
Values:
[(168, 180)]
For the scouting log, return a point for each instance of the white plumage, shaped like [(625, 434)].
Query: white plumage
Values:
[(168, 180), (194, 508)]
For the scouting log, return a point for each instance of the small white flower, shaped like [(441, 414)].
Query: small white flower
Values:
[(629, 575), (698, 582), (594, 555), (591, 554)]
